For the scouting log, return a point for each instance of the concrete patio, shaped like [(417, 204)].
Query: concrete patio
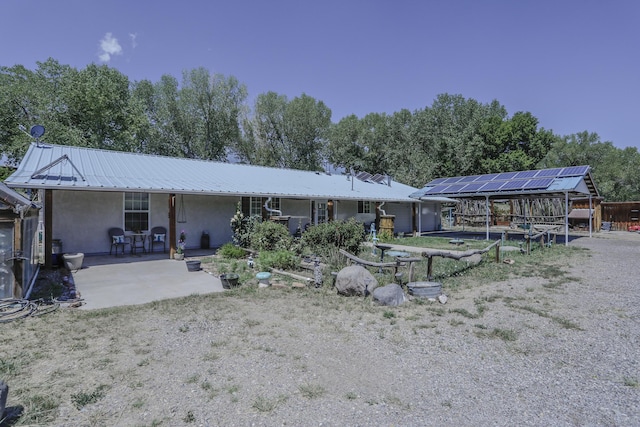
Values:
[(109, 281)]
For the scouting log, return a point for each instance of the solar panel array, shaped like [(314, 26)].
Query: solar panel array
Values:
[(506, 181), (367, 177)]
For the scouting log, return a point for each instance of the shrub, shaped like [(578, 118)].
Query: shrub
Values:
[(283, 260), (229, 250), (323, 239), (242, 227), (270, 236)]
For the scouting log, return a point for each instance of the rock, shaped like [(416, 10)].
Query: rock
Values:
[(355, 280), (278, 285), (391, 295), (443, 299), (4, 392)]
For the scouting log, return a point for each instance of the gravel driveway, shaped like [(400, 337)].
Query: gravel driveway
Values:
[(561, 351)]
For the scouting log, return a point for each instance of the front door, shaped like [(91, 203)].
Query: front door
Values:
[(319, 211)]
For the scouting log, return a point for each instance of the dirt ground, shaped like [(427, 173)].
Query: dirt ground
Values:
[(556, 345)]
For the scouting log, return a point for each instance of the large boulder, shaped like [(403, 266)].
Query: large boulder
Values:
[(355, 280), (391, 294)]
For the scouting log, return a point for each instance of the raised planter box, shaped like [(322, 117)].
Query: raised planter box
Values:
[(193, 265)]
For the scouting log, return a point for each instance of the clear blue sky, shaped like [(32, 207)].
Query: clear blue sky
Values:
[(573, 64)]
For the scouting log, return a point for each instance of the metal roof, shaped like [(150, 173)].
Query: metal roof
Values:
[(78, 168), (575, 180), (10, 199)]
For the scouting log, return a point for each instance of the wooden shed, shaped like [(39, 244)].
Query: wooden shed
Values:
[(621, 215), (19, 260), (579, 214)]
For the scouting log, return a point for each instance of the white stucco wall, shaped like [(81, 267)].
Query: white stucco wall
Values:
[(81, 219)]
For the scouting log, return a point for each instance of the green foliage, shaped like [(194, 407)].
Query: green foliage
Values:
[(616, 172), (286, 133), (229, 250), (323, 239), (282, 259), (270, 236), (243, 227)]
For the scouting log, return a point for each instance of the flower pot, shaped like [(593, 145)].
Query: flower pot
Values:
[(73, 262), (178, 256), (229, 280)]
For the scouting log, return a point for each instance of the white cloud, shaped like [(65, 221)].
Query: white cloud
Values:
[(133, 37), (109, 46)]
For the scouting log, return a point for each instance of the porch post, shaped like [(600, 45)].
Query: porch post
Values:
[(590, 215), (48, 224), (172, 225), (566, 218), (487, 219)]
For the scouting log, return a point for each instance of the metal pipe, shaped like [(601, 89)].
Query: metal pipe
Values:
[(268, 209)]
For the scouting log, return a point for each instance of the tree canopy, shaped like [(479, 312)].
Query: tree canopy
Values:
[(206, 116)]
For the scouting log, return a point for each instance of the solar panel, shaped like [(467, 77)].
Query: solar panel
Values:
[(472, 187), (364, 176), (506, 175), (452, 180), (526, 174), (437, 181), (469, 178), (380, 179), (487, 177), (574, 171), (538, 183), (454, 188), (516, 184), (437, 189), (492, 185), (549, 172)]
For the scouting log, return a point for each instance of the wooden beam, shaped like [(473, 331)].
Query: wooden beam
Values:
[(172, 225), (48, 225), (457, 255)]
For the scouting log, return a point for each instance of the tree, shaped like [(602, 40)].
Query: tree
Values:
[(28, 98), (361, 144), (91, 107), (616, 172), (289, 134), (200, 119)]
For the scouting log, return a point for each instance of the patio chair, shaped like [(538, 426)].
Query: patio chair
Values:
[(118, 239), (158, 236)]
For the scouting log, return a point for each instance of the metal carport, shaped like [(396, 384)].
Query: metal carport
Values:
[(567, 182)]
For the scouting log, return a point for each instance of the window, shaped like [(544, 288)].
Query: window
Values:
[(274, 204), (255, 208), (365, 206), (322, 212), (136, 211)]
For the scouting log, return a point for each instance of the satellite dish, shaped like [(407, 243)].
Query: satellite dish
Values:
[(36, 131)]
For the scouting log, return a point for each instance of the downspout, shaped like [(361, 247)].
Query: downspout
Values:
[(380, 208), (268, 209)]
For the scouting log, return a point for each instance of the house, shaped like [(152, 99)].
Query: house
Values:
[(19, 238), (87, 191)]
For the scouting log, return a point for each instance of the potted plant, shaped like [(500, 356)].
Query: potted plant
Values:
[(179, 255)]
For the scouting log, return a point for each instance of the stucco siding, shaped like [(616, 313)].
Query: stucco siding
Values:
[(81, 219)]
